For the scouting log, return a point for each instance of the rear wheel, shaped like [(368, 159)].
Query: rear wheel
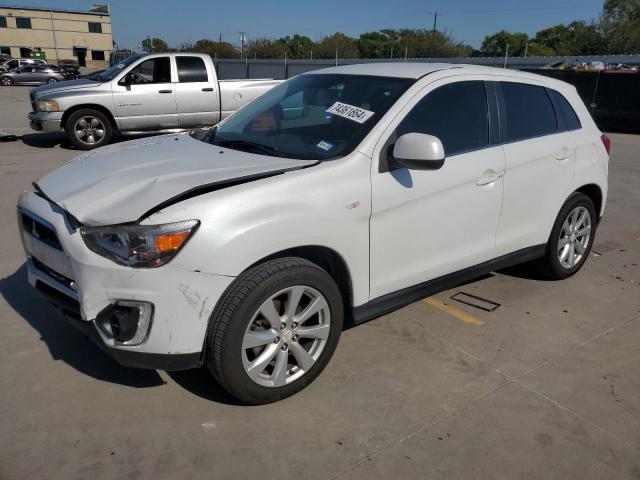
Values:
[(52, 80), (571, 238), (88, 129), (274, 330), (6, 81)]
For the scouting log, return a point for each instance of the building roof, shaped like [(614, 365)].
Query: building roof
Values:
[(57, 10)]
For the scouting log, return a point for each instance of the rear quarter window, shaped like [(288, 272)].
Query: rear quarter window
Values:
[(191, 69), (566, 111), (529, 111)]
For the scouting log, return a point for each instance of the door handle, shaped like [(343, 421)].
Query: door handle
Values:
[(207, 89), (488, 178), (563, 154), (165, 91)]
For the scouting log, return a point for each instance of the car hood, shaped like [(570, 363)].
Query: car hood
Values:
[(65, 86), (125, 182)]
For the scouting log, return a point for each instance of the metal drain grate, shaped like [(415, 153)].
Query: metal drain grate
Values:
[(475, 301)]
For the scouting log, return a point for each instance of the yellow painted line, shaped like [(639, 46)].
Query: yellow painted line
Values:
[(453, 311)]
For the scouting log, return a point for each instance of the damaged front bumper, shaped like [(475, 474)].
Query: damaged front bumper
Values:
[(85, 288)]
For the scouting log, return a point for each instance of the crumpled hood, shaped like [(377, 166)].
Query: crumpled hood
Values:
[(120, 183), (58, 87)]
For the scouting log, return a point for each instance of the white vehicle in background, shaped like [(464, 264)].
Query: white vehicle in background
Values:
[(344, 193), (161, 92)]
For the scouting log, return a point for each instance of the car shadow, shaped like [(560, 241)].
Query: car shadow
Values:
[(64, 342), (200, 382), (47, 140), (67, 344)]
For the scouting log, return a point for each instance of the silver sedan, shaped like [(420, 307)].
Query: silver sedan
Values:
[(32, 75)]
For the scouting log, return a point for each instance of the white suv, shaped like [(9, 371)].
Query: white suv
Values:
[(340, 195)]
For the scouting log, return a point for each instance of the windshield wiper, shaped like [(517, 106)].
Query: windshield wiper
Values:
[(246, 146)]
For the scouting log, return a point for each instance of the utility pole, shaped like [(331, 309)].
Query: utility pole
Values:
[(435, 23), (406, 53), (53, 31), (506, 56), (242, 34), (336, 57)]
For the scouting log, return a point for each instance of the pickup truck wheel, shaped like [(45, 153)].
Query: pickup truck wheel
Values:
[(88, 129), (274, 330), (571, 238)]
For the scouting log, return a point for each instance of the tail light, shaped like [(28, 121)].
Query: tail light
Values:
[(606, 141)]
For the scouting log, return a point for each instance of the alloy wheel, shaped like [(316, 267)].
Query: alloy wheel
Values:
[(89, 130), (574, 237), (6, 81), (286, 336)]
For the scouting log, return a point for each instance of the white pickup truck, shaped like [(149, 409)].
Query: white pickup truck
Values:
[(162, 92)]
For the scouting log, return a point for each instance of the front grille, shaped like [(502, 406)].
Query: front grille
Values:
[(40, 231), (67, 282)]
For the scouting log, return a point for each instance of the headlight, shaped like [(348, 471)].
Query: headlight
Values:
[(47, 106), (139, 246)]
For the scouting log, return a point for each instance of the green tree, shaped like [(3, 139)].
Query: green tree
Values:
[(345, 46), (496, 44), (265, 48), (620, 24), (154, 45), (211, 47), (298, 46), (381, 44), (577, 38), (429, 44)]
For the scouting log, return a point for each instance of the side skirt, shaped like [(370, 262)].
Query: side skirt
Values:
[(395, 300)]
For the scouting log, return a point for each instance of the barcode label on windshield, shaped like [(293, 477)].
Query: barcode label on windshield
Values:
[(344, 110)]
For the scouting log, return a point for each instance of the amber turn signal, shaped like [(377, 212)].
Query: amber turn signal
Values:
[(170, 241)]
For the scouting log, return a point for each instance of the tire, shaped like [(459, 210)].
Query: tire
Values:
[(565, 240), (6, 81), (88, 129), (238, 324), (52, 80)]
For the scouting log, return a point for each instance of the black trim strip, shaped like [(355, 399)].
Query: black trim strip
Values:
[(393, 301), (214, 186)]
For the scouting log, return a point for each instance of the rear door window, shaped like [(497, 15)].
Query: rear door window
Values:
[(568, 114), (456, 113), (529, 111), (191, 69)]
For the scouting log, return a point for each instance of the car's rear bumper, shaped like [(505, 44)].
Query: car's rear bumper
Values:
[(46, 121)]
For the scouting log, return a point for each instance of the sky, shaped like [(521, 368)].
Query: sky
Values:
[(177, 21)]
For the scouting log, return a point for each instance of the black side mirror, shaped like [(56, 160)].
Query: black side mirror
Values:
[(126, 80)]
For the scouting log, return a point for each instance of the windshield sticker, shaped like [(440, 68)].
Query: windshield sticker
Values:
[(324, 145), (344, 110)]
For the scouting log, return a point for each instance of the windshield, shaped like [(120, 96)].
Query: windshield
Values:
[(111, 72), (311, 117)]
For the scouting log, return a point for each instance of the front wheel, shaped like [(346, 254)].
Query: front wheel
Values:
[(52, 80), (6, 81), (571, 238), (274, 330), (88, 129)]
